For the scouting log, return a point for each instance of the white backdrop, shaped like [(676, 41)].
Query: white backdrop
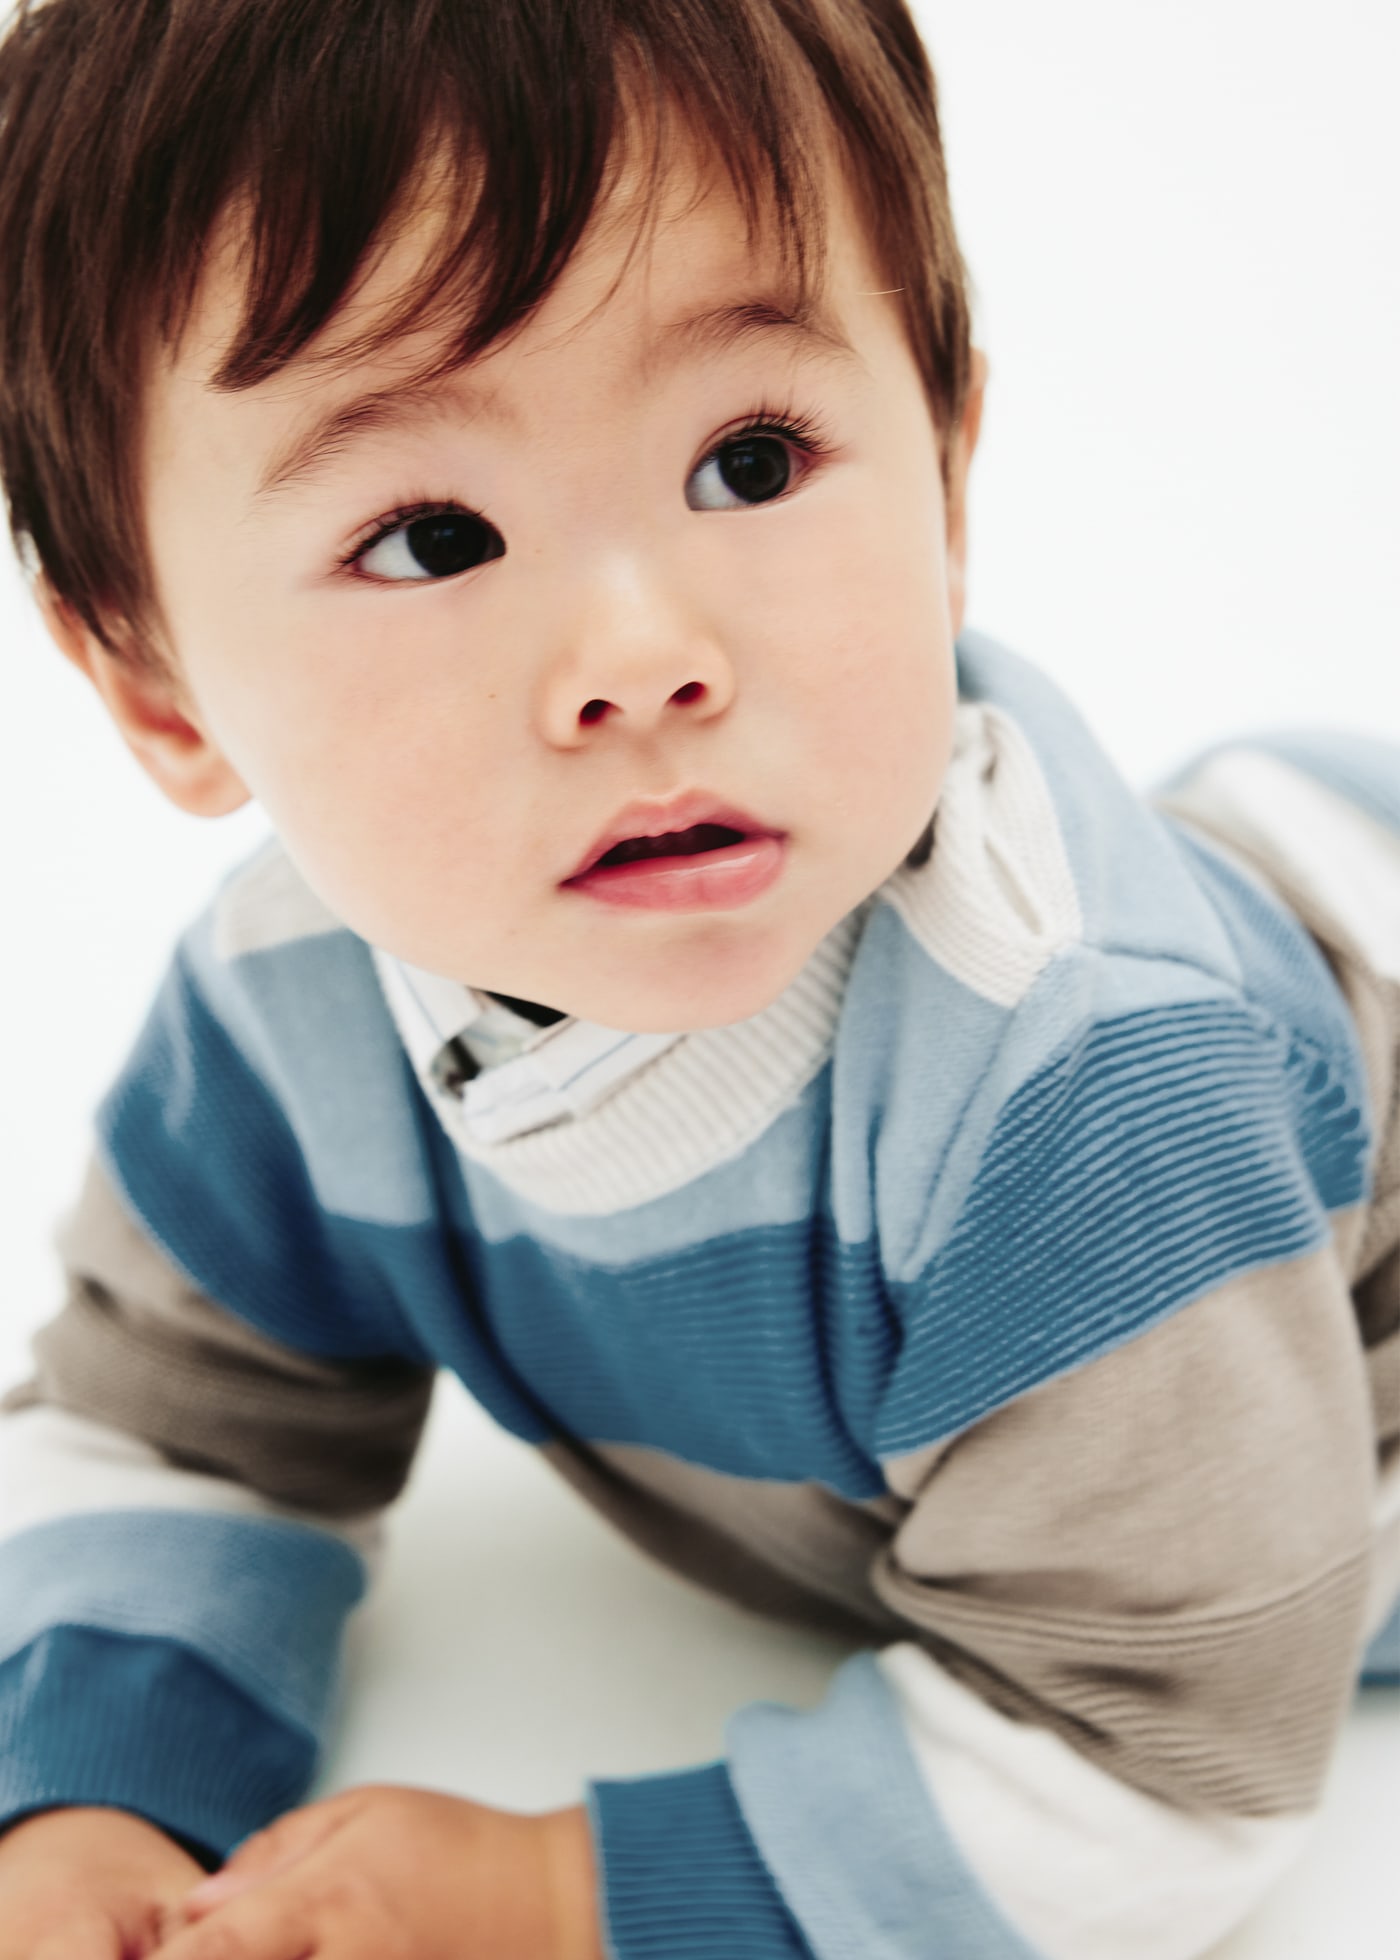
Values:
[(1181, 218)]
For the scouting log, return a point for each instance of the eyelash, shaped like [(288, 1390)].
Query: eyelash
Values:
[(804, 432)]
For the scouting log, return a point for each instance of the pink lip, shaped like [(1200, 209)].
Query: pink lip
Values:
[(734, 875), (654, 816)]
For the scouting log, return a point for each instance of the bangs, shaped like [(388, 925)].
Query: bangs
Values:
[(141, 138), (513, 146)]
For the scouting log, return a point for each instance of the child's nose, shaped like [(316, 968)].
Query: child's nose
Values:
[(637, 651)]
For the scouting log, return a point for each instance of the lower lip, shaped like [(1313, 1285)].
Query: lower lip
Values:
[(709, 881)]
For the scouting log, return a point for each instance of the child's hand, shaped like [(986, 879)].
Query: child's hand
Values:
[(386, 1872), (87, 1883)]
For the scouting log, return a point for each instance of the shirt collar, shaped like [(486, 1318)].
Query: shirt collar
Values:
[(505, 1074)]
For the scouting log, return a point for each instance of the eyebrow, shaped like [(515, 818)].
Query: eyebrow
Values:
[(809, 330)]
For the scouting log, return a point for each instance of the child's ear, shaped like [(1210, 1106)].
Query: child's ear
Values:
[(961, 446), (157, 722)]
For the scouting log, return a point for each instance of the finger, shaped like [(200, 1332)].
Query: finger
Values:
[(265, 1854), (261, 1926)]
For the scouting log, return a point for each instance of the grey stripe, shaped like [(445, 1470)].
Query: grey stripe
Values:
[(793, 1551), (137, 1347), (1166, 1556), (1232, 1712)]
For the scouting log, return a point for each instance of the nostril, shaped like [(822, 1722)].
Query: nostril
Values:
[(689, 692), (593, 711)]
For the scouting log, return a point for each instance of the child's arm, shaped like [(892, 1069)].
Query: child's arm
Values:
[(190, 1512), (1134, 1598), (192, 1483), (1135, 1605)]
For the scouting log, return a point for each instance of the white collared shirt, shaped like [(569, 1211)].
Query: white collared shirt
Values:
[(529, 1076)]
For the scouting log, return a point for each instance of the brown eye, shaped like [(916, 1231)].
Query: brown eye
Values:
[(437, 545), (748, 469), (757, 463), (756, 468)]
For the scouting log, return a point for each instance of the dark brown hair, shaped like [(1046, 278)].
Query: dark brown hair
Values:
[(129, 129)]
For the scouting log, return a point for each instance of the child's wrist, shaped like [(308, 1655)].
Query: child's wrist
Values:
[(572, 1880)]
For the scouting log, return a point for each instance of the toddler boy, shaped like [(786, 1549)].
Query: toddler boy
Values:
[(731, 1015)]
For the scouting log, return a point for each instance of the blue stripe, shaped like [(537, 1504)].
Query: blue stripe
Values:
[(846, 1825), (264, 1601), (1165, 1155), (210, 1162), (758, 1354), (1162, 1155), (143, 1725), (1287, 972), (311, 1021), (1381, 1662), (680, 1878), (1134, 894)]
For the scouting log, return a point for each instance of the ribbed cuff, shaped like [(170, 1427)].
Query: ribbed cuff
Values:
[(141, 1724), (681, 1878)]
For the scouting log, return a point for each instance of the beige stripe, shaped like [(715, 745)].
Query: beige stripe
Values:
[(1166, 1556), (139, 1349), (793, 1551), (1234, 1712), (1223, 1453)]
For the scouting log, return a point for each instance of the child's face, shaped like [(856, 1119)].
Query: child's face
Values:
[(426, 729)]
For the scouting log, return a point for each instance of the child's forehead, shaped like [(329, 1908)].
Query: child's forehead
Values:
[(670, 260)]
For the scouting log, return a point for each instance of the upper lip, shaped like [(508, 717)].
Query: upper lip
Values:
[(653, 816)]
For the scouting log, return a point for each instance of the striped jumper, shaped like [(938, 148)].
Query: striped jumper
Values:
[(1017, 1296)]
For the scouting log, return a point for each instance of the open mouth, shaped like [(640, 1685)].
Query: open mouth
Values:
[(675, 843), (703, 867)]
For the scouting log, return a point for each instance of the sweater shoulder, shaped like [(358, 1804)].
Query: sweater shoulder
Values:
[(263, 1130)]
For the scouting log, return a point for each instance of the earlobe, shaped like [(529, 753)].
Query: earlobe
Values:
[(157, 723)]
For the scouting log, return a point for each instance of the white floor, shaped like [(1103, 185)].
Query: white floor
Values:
[(516, 1645)]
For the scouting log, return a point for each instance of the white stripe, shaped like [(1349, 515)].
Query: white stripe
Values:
[(1084, 1866), (57, 1465), (1347, 863), (997, 900), (266, 903), (660, 1125)]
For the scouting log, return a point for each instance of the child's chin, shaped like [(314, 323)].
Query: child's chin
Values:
[(696, 1002)]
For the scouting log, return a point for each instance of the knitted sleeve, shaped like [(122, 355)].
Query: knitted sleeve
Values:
[(192, 1481), (1131, 1432)]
